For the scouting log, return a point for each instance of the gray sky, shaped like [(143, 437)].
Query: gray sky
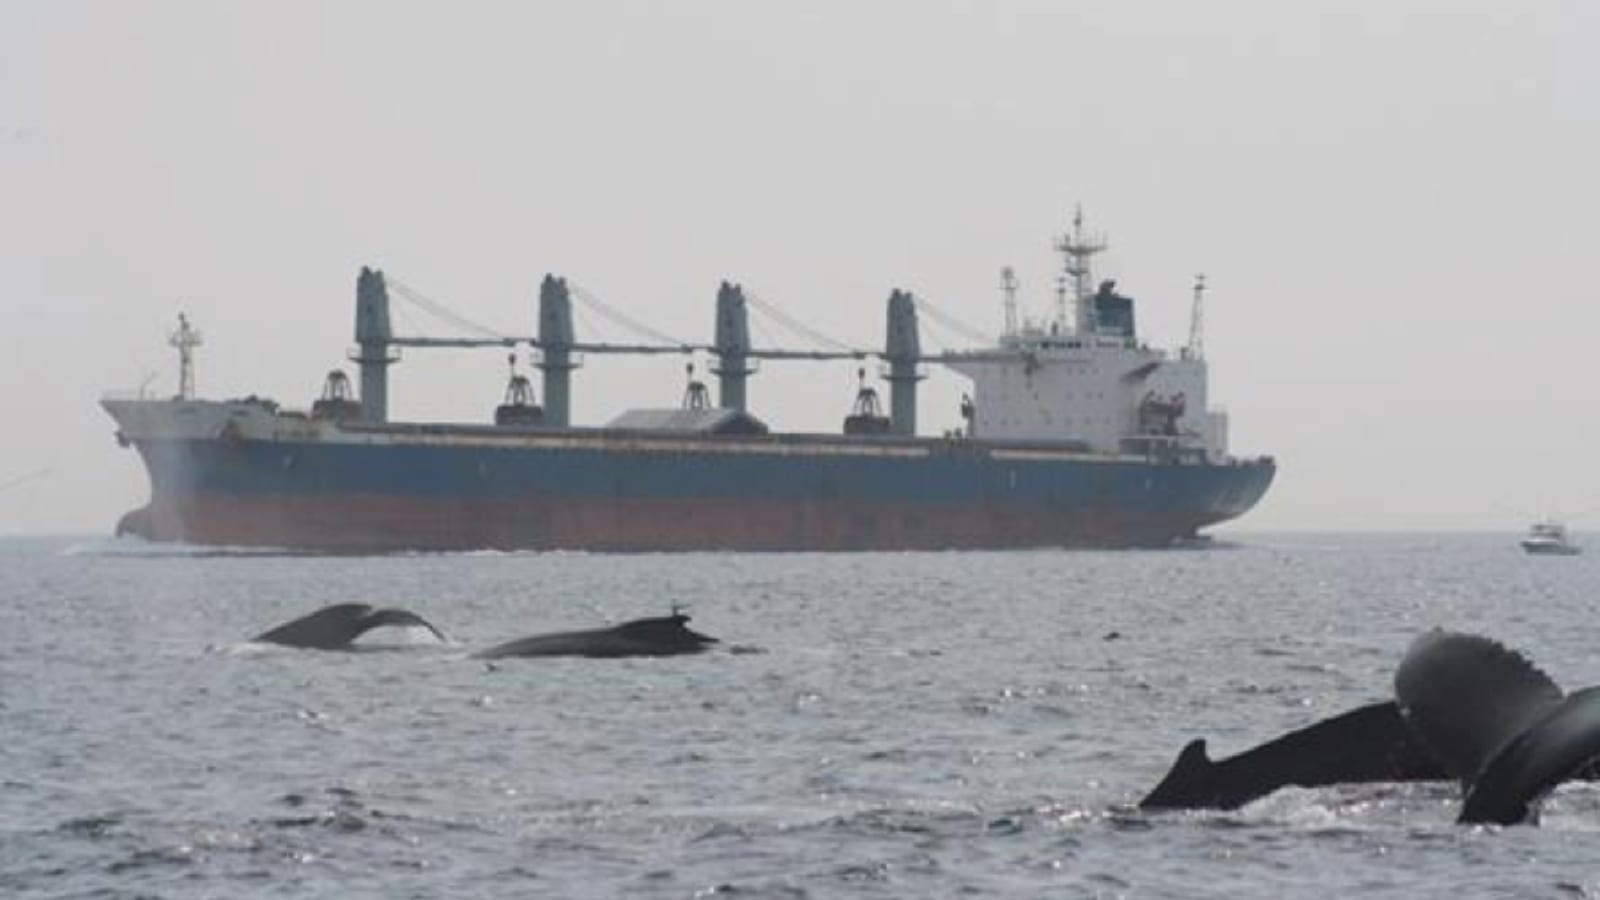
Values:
[(1393, 202)]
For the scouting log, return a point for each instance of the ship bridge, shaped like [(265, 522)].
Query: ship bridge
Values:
[(1085, 375)]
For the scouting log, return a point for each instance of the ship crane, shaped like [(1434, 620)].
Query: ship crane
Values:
[(185, 338), (559, 351), (665, 345)]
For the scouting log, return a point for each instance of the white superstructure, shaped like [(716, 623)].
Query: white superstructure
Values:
[(1086, 377), (1549, 537)]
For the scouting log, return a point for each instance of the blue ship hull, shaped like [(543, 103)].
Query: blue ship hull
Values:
[(395, 488)]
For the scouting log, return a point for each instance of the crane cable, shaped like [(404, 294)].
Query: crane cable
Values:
[(794, 325), (24, 479), (616, 317), (950, 322), (439, 310)]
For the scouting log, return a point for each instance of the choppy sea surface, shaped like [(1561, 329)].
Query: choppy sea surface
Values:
[(917, 725)]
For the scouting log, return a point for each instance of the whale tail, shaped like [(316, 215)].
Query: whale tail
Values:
[(1563, 745), (1466, 708), (1467, 696), (334, 627), (402, 618)]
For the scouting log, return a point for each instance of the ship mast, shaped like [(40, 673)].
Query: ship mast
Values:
[(1077, 248), (185, 339), (1197, 346), (1008, 286)]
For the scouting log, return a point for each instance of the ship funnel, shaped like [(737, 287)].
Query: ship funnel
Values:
[(555, 344), (902, 350), (732, 346), (373, 336)]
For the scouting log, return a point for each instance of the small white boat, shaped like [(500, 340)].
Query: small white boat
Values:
[(1549, 538)]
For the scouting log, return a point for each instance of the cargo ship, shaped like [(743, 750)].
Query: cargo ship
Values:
[(1076, 434)]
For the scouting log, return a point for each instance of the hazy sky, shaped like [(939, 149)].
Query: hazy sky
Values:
[(1394, 202)]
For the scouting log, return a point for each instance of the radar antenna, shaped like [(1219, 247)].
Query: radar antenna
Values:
[(185, 339), (1009, 285), (1078, 247), (1197, 344)]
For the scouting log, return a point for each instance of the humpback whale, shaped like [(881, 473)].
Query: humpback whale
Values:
[(334, 627), (1369, 743), (659, 636), (1465, 708)]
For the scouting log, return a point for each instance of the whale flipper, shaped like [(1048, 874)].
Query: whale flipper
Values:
[(1467, 696), (660, 636), (1369, 743), (335, 627), (1563, 745)]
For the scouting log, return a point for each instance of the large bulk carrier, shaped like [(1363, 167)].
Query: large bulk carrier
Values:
[(1076, 434)]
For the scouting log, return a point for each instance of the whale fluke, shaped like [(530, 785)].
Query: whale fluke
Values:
[(335, 627), (1467, 696), (659, 636), (1466, 708), (1369, 743), (1563, 745)]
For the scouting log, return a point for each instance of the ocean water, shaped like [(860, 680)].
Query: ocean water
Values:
[(915, 725)]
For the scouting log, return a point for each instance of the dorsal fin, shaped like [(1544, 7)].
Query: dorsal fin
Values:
[(1467, 696), (1188, 784)]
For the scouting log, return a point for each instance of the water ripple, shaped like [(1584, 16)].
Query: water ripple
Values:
[(915, 725)]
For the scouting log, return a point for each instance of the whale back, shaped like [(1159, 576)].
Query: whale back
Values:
[(559, 643), (659, 636), (1365, 744), (1467, 696), (663, 631)]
